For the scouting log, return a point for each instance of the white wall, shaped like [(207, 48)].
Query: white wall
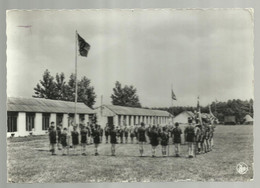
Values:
[(53, 118), (38, 124)]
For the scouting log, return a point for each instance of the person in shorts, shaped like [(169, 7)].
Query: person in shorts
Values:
[(164, 140), (154, 139), (141, 138)]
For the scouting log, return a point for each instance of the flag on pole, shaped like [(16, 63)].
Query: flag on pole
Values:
[(173, 96), (84, 47)]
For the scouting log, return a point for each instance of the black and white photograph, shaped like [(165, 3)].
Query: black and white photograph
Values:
[(130, 95)]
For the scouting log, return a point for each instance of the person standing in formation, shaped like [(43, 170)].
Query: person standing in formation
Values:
[(107, 132), (64, 141), (75, 139), (132, 134), (121, 134), (59, 128), (141, 138), (154, 139), (113, 140), (207, 134), (101, 134), (83, 140), (126, 133), (52, 136), (136, 133), (197, 136), (96, 137), (189, 137), (176, 133), (164, 140), (148, 132)]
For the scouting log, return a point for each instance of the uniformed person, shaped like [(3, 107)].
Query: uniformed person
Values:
[(107, 132), (211, 134), (202, 140), (75, 139), (148, 131), (53, 139), (154, 139), (126, 133), (59, 128), (189, 137), (64, 141), (132, 134), (141, 138), (121, 134), (83, 140), (136, 133), (207, 135), (101, 134), (176, 133), (96, 137), (198, 135), (164, 140), (113, 140)]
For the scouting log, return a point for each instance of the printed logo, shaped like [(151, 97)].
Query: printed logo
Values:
[(242, 168)]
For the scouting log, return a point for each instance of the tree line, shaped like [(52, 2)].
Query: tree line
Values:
[(235, 107), (57, 88)]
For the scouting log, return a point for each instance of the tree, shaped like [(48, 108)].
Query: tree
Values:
[(58, 89), (85, 92), (125, 96), (61, 87), (46, 88)]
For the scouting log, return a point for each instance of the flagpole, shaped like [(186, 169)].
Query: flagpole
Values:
[(76, 80)]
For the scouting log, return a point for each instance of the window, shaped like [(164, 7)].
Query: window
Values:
[(81, 117), (119, 120), (129, 120), (59, 118), (12, 121), (45, 121), (30, 121)]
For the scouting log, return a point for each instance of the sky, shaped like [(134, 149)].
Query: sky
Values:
[(206, 53)]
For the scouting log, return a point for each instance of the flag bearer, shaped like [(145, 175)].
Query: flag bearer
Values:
[(141, 138), (176, 133), (164, 140), (113, 140), (83, 140), (64, 141), (198, 135), (52, 136), (189, 137)]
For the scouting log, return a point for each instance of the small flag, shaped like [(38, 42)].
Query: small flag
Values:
[(173, 96), (84, 47)]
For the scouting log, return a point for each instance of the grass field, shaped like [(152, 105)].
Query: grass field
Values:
[(30, 162)]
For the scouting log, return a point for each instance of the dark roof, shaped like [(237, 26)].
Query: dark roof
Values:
[(18, 104), (123, 110)]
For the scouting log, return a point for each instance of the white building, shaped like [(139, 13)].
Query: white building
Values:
[(120, 115), (182, 118), (33, 115)]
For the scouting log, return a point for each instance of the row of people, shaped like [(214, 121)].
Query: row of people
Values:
[(198, 137)]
